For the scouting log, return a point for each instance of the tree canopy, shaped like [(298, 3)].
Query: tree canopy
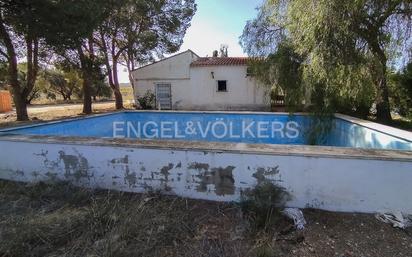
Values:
[(29, 28), (137, 31), (345, 46)]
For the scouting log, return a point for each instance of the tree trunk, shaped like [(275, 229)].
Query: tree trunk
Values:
[(87, 96), (32, 45), (119, 98), (383, 110), (18, 96), (116, 90), (112, 72), (21, 106), (130, 68)]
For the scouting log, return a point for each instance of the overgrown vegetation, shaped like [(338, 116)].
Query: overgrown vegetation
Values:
[(401, 91), (88, 37), (262, 204), (63, 220), (331, 56), (51, 217)]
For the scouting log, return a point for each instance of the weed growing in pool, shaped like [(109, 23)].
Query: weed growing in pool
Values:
[(319, 129)]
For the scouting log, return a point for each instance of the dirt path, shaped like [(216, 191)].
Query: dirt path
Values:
[(33, 109), (38, 113)]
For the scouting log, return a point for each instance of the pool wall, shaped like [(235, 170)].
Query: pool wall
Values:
[(330, 178), (240, 127)]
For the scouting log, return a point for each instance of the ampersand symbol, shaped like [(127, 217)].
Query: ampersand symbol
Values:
[(190, 130)]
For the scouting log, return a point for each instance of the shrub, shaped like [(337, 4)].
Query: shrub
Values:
[(263, 204), (147, 101)]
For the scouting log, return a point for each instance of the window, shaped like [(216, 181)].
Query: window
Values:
[(249, 72), (221, 86)]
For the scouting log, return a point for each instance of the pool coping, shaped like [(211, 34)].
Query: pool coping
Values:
[(218, 147), (246, 148)]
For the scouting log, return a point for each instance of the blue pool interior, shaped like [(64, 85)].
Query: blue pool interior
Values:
[(220, 127)]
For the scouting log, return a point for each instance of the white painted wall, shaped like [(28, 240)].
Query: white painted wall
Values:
[(243, 93), (175, 67), (336, 183), (194, 88), (174, 70)]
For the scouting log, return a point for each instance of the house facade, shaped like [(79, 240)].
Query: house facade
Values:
[(188, 82)]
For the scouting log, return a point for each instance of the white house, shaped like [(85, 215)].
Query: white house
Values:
[(186, 81)]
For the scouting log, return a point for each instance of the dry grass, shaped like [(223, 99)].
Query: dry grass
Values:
[(56, 112), (127, 93), (62, 220)]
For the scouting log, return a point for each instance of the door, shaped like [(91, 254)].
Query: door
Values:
[(164, 96)]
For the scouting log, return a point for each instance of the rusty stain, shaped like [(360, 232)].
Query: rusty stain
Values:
[(221, 178)]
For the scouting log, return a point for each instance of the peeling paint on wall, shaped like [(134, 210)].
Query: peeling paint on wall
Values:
[(215, 176), (266, 174), (198, 166), (75, 166), (221, 178)]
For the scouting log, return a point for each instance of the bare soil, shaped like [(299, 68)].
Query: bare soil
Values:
[(41, 113), (62, 220)]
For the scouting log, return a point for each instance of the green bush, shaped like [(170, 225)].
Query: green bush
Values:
[(400, 89), (147, 101), (262, 205)]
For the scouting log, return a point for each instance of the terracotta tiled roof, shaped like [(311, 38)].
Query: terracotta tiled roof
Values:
[(216, 61)]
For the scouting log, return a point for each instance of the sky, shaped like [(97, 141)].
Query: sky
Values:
[(216, 22)]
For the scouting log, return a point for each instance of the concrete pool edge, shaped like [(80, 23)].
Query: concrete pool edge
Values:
[(262, 149), (388, 130)]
